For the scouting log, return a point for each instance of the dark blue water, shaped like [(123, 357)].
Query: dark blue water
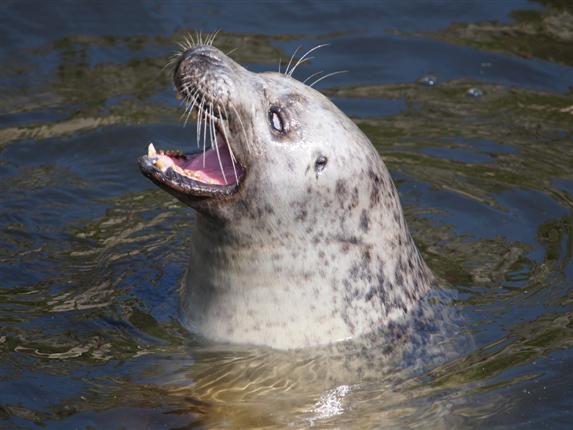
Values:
[(91, 252)]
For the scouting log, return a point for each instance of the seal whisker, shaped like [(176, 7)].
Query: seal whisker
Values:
[(327, 76), (225, 136), (182, 45), (188, 42), (192, 92), (214, 142), (186, 113), (191, 106), (205, 119), (312, 76), (185, 104), (212, 38), (228, 53), (185, 87), (210, 125), (306, 60), (171, 61), (191, 41), (199, 120), (290, 72), (240, 122), (291, 58), (188, 84)]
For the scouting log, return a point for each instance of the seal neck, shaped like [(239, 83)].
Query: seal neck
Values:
[(293, 293)]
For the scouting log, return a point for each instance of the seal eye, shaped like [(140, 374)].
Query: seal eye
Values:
[(276, 120), (320, 164)]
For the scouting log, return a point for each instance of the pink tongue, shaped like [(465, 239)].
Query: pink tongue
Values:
[(210, 170)]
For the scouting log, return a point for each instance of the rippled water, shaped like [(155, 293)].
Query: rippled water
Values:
[(91, 252)]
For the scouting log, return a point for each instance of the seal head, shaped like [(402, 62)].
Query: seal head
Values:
[(300, 239)]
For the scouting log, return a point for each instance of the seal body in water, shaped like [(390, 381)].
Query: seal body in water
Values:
[(300, 239)]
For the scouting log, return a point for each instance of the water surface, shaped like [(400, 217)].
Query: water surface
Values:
[(91, 252)]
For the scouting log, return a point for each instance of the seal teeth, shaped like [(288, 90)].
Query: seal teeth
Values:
[(162, 164), (151, 152)]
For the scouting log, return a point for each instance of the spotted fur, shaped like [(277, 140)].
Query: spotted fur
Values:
[(310, 251)]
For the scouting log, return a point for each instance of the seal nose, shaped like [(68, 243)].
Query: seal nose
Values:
[(206, 71), (199, 63), (202, 53)]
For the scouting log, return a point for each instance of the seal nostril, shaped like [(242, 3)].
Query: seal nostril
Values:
[(203, 56), (320, 164), (202, 53)]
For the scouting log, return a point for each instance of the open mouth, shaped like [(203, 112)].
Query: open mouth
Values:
[(212, 172)]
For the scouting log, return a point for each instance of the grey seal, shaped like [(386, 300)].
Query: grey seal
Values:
[(300, 239)]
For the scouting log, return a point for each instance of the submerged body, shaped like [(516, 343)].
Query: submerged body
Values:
[(300, 238)]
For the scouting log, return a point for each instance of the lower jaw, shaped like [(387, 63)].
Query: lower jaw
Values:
[(185, 188)]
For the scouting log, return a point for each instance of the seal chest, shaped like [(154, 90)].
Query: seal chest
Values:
[(300, 239)]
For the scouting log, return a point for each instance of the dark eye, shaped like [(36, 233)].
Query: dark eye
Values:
[(320, 164), (276, 120)]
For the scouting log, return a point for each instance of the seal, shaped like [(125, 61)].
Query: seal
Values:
[(300, 239)]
